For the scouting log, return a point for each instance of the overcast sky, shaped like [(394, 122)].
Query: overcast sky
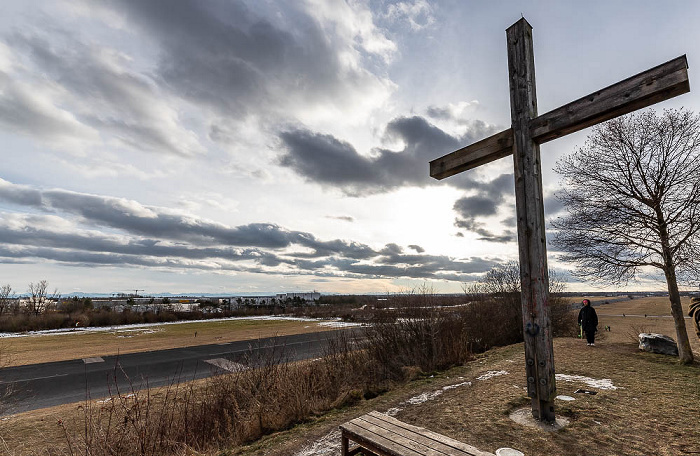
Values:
[(260, 146)]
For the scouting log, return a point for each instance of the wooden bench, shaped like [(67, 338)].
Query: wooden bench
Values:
[(377, 434)]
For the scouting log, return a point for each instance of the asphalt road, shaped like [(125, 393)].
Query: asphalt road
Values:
[(43, 385)]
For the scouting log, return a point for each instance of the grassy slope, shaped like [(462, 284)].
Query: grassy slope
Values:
[(655, 410)]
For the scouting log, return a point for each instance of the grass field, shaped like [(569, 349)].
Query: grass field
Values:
[(74, 345), (654, 409)]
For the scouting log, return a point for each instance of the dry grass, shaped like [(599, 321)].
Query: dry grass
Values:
[(47, 348), (654, 411)]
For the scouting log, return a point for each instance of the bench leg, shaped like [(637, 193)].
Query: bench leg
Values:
[(344, 446)]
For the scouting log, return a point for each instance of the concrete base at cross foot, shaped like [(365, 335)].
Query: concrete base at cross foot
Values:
[(524, 417)]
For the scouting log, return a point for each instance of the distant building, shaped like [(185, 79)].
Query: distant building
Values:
[(308, 297)]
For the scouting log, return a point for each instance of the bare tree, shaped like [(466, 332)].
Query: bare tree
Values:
[(39, 298), (632, 195), (502, 283), (7, 297)]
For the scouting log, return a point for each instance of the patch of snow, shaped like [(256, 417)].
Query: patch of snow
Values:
[(490, 374), (110, 399), (425, 397), (326, 445), (449, 387), (339, 324), (565, 398), (393, 411), (140, 326), (603, 384), (416, 400)]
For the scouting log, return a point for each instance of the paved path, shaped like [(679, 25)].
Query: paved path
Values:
[(48, 384)]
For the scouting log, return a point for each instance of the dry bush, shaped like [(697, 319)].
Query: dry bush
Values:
[(431, 341), (272, 393)]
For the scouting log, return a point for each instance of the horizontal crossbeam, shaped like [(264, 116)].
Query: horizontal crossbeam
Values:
[(644, 89), (485, 151)]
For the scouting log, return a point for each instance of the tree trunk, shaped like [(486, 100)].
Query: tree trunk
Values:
[(685, 353)]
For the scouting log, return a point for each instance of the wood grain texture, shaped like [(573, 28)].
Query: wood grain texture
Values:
[(644, 89), (485, 151), (660, 83), (532, 247), (387, 436)]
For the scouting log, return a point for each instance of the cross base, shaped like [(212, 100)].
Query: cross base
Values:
[(543, 410)]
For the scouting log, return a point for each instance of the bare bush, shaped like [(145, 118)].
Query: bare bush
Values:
[(500, 289), (271, 393)]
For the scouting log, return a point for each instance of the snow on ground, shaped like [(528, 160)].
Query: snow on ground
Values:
[(328, 444), (338, 324), (335, 323), (603, 384), (490, 374)]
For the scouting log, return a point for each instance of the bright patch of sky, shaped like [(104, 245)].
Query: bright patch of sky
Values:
[(243, 146)]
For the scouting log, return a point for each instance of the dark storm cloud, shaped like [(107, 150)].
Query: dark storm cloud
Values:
[(328, 161), (417, 248)]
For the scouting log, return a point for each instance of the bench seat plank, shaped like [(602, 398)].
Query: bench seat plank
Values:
[(375, 442), (427, 446), (469, 449), (387, 436), (412, 442)]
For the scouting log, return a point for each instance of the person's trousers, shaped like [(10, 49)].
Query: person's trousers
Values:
[(590, 337)]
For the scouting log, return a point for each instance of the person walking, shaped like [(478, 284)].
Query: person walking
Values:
[(588, 320)]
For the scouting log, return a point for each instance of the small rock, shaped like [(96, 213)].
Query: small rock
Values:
[(658, 343)]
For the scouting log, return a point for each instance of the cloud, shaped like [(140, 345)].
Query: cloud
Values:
[(34, 111), (84, 229), (552, 205), (417, 248), (418, 14), (344, 218), (456, 112), (328, 161), (240, 58), (486, 202), (86, 88)]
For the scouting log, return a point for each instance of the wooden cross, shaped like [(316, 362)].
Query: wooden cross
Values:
[(527, 132)]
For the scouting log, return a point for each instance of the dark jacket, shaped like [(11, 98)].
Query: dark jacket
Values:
[(587, 318)]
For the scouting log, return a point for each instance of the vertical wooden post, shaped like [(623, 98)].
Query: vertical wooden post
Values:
[(534, 277), (344, 445)]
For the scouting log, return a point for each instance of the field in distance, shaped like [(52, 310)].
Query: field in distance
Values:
[(44, 348)]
